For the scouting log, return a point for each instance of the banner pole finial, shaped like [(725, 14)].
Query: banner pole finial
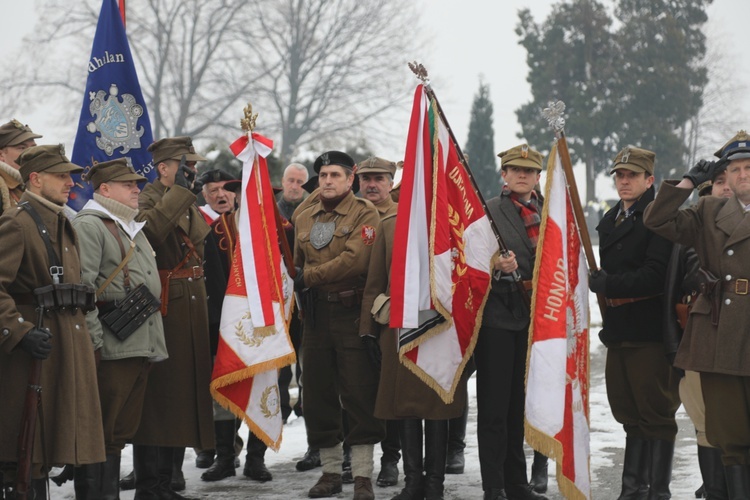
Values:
[(248, 122), (420, 72), (555, 115)]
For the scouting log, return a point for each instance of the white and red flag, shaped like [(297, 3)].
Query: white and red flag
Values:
[(557, 377), (253, 340), (443, 247)]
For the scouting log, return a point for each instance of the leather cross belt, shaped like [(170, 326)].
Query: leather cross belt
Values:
[(622, 302), (194, 272)]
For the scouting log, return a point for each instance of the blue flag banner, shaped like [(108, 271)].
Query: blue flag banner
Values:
[(114, 122)]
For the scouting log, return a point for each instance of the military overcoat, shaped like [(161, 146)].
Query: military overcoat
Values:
[(177, 410), (70, 397), (719, 230), (401, 394)]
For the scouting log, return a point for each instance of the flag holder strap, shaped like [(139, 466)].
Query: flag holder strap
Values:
[(554, 114), (421, 73)]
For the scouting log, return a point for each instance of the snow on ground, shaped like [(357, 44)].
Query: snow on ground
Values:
[(607, 447)]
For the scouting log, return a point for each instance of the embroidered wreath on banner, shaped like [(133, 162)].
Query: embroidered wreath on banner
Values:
[(457, 253), (269, 402), (259, 334)]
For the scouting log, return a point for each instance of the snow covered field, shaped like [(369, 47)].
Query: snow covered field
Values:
[(607, 447)]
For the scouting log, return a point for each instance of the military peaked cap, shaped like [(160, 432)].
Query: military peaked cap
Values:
[(215, 175), (173, 148), (48, 159), (376, 165), (521, 156), (634, 159), (737, 147), (14, 133), (112, 171)]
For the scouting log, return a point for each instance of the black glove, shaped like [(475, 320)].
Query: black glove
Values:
[(185, 176), (373, 351), (299, 280), (36, 343), (598, 281), (702, 171)]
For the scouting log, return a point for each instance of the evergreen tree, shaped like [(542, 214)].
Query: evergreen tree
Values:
[(570, 59), (480, 146)]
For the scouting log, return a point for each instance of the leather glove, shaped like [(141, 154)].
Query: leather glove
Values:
[(36, 343), (703, 171), (299, 280), (185, 176), (373, 351), (598, 281)]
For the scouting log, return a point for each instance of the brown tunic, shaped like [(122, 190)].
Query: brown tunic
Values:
[(72, 418), (177, 410)]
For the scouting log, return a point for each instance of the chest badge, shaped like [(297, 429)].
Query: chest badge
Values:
[(321, 234)]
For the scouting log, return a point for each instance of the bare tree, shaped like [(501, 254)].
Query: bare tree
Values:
[(319, 68)]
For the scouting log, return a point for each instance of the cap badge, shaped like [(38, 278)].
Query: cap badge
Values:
[(525, 151), (324, 159), (62, 150), (116, 119), (625, 155), (18, 125)]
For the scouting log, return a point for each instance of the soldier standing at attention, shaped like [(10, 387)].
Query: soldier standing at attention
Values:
[(715, 340), (15, 138), (642, 385), (106, 227), (177, 411), (334, 238), (70, 401)]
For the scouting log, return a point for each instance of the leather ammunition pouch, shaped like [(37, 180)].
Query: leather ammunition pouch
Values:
[(123, 317), (711, 288), (65, 296)]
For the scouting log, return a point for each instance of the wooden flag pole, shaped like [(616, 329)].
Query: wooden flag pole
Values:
[(421, 73), (554, 115)]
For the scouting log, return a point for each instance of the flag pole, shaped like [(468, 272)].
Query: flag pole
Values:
[(121, 4), (421, 73), (554, 116)]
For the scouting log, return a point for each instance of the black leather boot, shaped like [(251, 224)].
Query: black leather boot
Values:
[(205, 458), (346, 466), (388, 475), (223, 464), (146, 471), (310, 461), (539, 477), (167, 460), (128, 481), (738, 481), (111, 478), (456, 443), (435, 452), (38, 489), (635, 467), (255, 462), (87, 482), (410, 435), (178, 478), (712, 471), (661, 470)]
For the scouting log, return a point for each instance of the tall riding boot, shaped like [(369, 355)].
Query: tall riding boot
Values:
[(87, 482), (38, 489), (456, 443), (255, 460), (111, 478), (346, 465), (166, 463), (635, 469), (712, 471), (738, 481), (178, 478), (223, 465), (146, 468), (435, 451), (539, 477), (410, 435), (661, 469), (388, 475)]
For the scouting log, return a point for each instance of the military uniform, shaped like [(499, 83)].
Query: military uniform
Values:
[(11, 184), (715, 340), (337, 368), (642, 386), (72, 418)]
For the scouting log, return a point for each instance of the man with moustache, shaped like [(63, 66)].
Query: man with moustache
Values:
[(642, 386), (715, 343), (15, 138), (219, 200), (334, 238), (40, 248), (106, 227), (177, 409)]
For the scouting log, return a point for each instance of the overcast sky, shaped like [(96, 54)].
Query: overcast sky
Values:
[(463, 40)]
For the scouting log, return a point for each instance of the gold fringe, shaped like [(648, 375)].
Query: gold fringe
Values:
[(538, 440)]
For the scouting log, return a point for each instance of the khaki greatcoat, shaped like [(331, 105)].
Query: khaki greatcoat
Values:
[(401, 394), (719, 231), (70, 399), (177, 410)]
